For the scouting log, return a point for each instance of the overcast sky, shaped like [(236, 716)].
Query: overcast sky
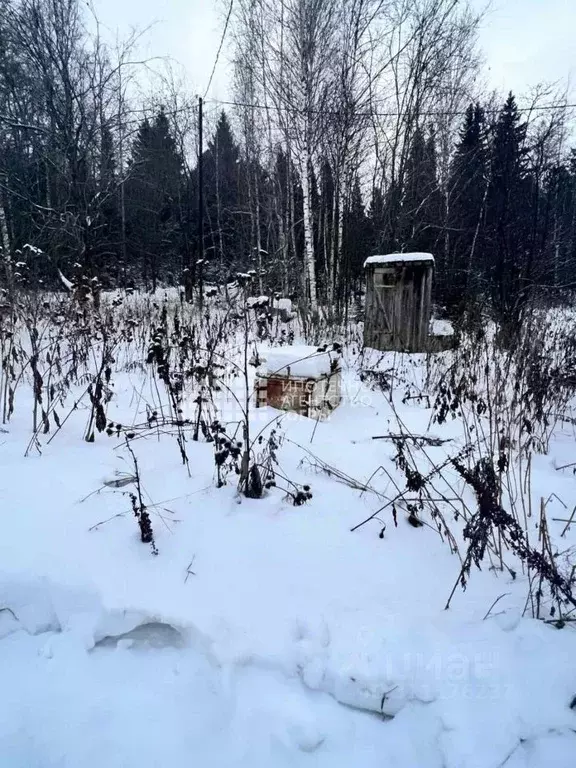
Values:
[(525, 41)]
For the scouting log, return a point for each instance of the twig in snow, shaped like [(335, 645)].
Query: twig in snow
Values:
[(118, 482), (505, 594), (565, 466), (11, 612), (336, 474), (554, 495), (189, 571), (418, 439), (102, 522), (399, 496), (568, 522), (384, 696)]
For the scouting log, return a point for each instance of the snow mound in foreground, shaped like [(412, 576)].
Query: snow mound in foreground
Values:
[(84, 686)]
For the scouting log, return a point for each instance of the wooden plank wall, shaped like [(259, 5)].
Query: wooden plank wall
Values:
[(398, 306)]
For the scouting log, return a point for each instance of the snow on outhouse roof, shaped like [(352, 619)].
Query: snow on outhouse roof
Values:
[(397, 258), (299, 361)]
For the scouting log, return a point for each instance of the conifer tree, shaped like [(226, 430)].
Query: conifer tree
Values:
[(376, 217), (153, 195), (421, 200), (507, 215), (466, 195), (356, 234), (226, 204)]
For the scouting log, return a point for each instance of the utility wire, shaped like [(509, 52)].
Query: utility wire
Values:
[(14, 123), (220, 47), (432, 113)]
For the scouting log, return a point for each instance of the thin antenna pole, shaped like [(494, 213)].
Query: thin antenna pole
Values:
[(200, 198)]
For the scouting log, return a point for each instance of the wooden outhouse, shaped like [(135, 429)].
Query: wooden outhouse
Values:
[(301, 379), (398, 301)]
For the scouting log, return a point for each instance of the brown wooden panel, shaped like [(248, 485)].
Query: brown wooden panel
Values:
[(398, 305)]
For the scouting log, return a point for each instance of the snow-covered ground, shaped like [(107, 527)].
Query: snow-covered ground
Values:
[(265, 634)]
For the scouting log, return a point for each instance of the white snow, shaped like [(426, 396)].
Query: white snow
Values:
[(264, 635), (300, 361), (398, 258), (282, 304), (441, 328), (257, 301)]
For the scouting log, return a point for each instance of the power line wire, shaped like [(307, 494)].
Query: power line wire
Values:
[(187, 108), (431, 113), (220, 47)]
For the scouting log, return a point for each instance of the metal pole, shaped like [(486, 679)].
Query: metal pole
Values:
[(200, 199)]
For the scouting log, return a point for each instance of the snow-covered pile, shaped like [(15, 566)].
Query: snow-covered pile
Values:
[(258, 302), (298, 360), (441, 328)]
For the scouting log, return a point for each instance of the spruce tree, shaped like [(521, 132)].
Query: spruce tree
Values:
[(421, 201), (508, 212), (466, 196), (376, 219), (356, 231), (413, 193), (106, 225), (559, 224), (153, 194), (226, 205)]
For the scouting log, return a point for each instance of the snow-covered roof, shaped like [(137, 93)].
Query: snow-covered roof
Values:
[(300, 361), (257, 301), (396, 258)]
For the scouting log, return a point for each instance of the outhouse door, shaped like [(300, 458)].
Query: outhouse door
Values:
[(384, 293)]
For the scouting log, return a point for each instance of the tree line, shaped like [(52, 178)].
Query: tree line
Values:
[(357, 127)]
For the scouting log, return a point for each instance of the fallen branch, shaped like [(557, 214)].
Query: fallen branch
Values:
[(418, 439)]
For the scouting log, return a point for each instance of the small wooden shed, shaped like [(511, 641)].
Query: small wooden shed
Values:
[(398, 301), (301, 379)]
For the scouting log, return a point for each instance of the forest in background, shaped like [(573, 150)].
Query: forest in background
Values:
[(354, 127)]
